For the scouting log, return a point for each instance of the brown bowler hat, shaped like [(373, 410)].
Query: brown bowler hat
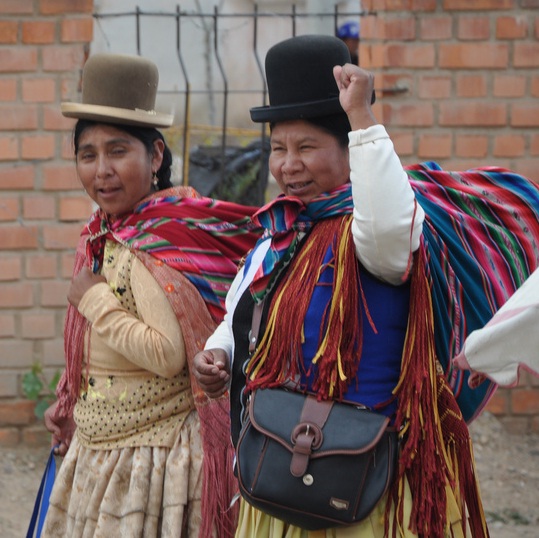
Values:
[(120, 89)]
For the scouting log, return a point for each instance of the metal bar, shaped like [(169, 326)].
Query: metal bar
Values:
[(187, 103), (137, 19), (225, 90)]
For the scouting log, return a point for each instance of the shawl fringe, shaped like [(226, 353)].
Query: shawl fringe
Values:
[(436, 451)]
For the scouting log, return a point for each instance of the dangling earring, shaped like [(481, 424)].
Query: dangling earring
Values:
[(155, 181)]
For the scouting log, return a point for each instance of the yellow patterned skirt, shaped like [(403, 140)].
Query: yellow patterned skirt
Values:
[(142, 492), (255, 524)]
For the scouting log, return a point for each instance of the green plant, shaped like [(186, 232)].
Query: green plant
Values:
[(36, 387)]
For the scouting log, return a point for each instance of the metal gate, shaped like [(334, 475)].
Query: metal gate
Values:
[(221, 169)]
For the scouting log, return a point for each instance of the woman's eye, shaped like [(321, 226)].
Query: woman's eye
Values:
[(85, 156), (117, 151)]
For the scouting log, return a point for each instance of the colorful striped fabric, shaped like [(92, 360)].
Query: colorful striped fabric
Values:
[(481, 232), (203, 238)]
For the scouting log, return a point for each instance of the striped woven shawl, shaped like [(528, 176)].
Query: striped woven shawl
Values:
[(481, 236)]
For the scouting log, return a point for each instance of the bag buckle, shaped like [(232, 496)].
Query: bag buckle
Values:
[(305, 438)]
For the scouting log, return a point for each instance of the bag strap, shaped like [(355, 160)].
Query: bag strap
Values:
[(255, 326), (42, 500), (308, 434)]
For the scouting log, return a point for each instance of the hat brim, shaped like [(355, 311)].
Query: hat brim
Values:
[(296, 111), (108, 114)]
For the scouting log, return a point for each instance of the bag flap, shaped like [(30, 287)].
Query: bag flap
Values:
[(349, 428)]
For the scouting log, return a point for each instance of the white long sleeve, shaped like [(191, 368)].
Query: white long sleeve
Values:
[(385, 229)]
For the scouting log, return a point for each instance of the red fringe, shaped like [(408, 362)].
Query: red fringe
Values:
[(436, 448), (341, 336)]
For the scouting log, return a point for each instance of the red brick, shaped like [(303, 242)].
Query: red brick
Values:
[(7, 325), (77, 30), (60, 7), (18, 117), (10, 268), (8, 89), (473, 114), (534, 145), (18, 237), (61, 237), (471, 146), (16, 296), (434, 146), (53, 352), (535, 86), (36, 436), (528, 168), (36, 326), (17, 413), (9, 148), (471, 85), (16, 60), (435, 28), (9, 436), (16, 176), (60, 177), (54, 121), (9, 380), (54, 293), (525, 401), (403, 142), (8, 32), (9, 209), (509, 86), (39, 90), (75, 209), (16, 354), (499, 403), (435, 87), (473, 56), (526, 54), (509, 146), (525, 115), (39, 207), (62, 58), (398, 29), (511, 27), (405, 55), (40, 146), (68, 262), (474, 28), (41, 266), (39, 32), (409, 115), (476, 5), (17, 7)]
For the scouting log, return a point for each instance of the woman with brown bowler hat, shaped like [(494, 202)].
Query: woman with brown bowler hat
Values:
[(341, 268), (145, 453)]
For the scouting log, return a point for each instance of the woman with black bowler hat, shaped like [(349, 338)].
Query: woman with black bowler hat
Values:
[(349, 214), (145, 452)]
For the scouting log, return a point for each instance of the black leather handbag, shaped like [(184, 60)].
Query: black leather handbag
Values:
[(314, 464)]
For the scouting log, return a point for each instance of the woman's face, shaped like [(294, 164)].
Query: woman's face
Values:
[(115, 168), (305, 160)]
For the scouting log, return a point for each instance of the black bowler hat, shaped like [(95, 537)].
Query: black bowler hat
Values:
[(299, 73)]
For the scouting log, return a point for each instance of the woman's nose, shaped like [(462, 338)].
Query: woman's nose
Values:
[(103, 166), (292, 163)]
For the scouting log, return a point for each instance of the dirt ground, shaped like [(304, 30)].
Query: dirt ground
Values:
[(508, 468)]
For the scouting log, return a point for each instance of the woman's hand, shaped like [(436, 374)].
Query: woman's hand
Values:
[(212, 371), (81, 283), (61, 428), (355, 94)]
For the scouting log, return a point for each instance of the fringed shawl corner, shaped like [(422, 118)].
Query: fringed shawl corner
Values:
[(436, 451)]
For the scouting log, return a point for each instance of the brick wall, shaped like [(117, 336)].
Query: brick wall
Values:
[(42, 49), (471, 83), (469, 71)]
